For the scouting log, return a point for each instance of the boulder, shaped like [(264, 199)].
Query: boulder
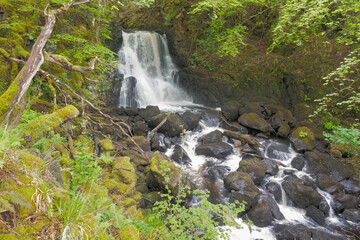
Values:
[(261, 214), (298, 162), (299, 191), (131, 111), (302, 232), (345, 201), (274, 208), (272, 167), (149, 112), (234, 127), (254, 167), (163, 173), (277, 120), (251, 107), (242, 188), (275, 189), (218, 150), (284, 130), (303, 139), (324, 207), (159, 142), (351, 186), (329, 185), (352, 215), (190, 119), (172, 127), (140, 141), (212, 137), (180, 155), (211, 118), (106, 145), (316, 215), (230, 110), (244, 138), (254, 121), (140, 128)]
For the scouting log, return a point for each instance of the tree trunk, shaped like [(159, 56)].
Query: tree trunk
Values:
[(13, 95)]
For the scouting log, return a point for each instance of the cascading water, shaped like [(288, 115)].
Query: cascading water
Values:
[(149, 72)]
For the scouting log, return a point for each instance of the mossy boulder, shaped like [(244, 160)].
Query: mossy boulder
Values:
[(173, 126), (129, 232), (254, 121), (164, 172), (106, 145), (36, 128), (254, 167), (134, 213), (303, 139), (124, 170), (141, 141)]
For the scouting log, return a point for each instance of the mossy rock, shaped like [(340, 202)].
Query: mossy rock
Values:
[(125, 170), (141, 141), (36, 128), (29, 159), (106, 145), (129, 232), (85, 143), (134, 213), (97, 190), (164, 171), (303, 139), (339, 150)]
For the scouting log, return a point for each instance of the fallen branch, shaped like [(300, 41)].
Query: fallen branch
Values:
[(151, 134)]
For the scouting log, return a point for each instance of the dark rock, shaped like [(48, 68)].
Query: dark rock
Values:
[(275, 189), (301, 232), (254, 121), (218, 150), (251, 107), (284, 130), (276, 150), (149, 112), (277, 120), (289, 118), (211, 118), (158, 142), (352, 215), (329, 185), (303, 139), (140, 128), (254, 167), (272, 167), (244, 138), (351, 186), (247, 149), (298, 162), (345, 201), (230, 110), (301, 193), (261, 214), (274, 208), (289, 171), (131, 111), (216, 172), (141, 142), (242, 188), (191, 120), (172, 127), (315, 214), (234, 127), (130, 100), (180, 155), (324, 207), (214, 136)]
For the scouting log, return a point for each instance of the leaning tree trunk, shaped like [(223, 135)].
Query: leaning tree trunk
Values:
[(10, 100)]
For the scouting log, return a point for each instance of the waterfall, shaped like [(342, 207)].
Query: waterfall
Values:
[(150, 76)]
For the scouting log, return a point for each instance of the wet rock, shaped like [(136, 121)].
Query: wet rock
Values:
[(301, 193), (329, 185), (234, 127), (172, 127), (140, 128), (247, 149), (352, 215), (218, 150), (301, 232), (298, 162), (345, 201), (303, 139), (216, 172), (254, 167), (351, 186), (274, 208), (251, 107), (149, 112), (254, 121), (284, 130), (275, 189), (315, 214), (242, 188), (211, 118), (244, 138), (278, 150), (324, 207), (261, 214), (230, 110), (158, 143), (272, 167), (180, 155), (214, 136), (191, 120), (289, 171)]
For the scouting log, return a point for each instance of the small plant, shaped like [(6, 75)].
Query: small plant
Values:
[(9, 139), (303, 134), (106, 158)]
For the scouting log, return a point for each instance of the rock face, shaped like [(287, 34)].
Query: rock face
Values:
[(303, 139), (254, 121), (254, 167), (218, 150), (301, 193), (242, 188)]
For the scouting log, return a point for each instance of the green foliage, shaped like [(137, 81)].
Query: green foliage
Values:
[(106, 158), (350, 138), (303, 134), (196, 222), (9, 139)]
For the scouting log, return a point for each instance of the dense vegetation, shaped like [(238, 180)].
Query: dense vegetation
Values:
[(34, 204)]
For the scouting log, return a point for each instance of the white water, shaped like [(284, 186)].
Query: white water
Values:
[(145, 56)]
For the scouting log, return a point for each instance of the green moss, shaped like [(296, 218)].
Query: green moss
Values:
[(45, 123), (141, 141), (29, 159), (134, 213), (106, 145), (99, 191), (129, 232), (125, 170), (86, 143)]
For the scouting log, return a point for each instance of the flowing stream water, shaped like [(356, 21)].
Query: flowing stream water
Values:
[(150, 79)]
